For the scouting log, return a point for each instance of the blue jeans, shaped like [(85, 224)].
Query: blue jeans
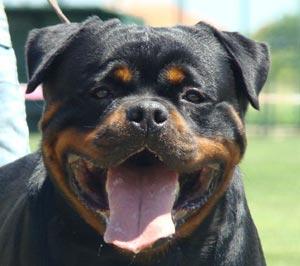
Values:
[(13, 126)]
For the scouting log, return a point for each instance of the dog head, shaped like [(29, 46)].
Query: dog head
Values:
[(143, 127)]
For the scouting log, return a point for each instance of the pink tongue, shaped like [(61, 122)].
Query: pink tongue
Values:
[(140, 203)]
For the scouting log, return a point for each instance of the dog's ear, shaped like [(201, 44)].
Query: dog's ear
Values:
[(250, 60), (45, 45)]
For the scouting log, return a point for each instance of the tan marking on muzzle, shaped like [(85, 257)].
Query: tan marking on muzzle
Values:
[(116, 118), (53, 153), (208, 149), (179, 122)]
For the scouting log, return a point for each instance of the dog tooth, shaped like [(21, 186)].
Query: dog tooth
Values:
[(160, 158), (177, 191), (89, 165), (214, 166), (72, 158), (210, 182)]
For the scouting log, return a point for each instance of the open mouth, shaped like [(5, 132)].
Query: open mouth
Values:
[(141, 200)]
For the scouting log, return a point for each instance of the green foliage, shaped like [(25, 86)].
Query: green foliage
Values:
[(282, 34), (283, 37), (282, 114)]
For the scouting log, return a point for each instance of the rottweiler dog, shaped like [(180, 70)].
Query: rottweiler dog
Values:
[(142, 134)]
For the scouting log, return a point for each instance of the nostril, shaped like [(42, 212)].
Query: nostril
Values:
[(160, 116), (135, 115)]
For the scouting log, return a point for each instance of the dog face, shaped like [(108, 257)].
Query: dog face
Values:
[(143, 126)]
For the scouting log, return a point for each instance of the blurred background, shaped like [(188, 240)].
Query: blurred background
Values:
[(271, 166)]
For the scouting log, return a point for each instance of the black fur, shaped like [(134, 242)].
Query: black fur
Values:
[(38, 228)]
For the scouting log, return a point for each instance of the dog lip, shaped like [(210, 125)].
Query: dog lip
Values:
[(85, 182), (74, 157), (185, 198), (208, 179), (194, 190), (143, 149), (143, 157)]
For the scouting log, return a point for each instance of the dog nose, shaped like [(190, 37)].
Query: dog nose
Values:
[(149, 114)]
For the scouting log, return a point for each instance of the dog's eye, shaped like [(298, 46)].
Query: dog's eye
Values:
[(101, 93), (193, 96)]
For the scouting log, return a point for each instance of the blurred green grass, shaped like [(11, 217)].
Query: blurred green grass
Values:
[(34, 141), (271, 169)]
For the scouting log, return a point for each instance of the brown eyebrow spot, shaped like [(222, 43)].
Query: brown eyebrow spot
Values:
[(124, 74), (175, 75)]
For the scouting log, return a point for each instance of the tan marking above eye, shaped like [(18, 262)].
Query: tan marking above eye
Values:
[(123, 73), (175, 75)]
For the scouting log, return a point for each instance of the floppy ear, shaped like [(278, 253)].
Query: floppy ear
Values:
[(250, 59), (45, 45)]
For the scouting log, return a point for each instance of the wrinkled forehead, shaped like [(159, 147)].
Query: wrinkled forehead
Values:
[(160, 45), (146, 50), (145, 46)]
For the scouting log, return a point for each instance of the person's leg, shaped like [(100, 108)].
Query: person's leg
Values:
[(13, 126)]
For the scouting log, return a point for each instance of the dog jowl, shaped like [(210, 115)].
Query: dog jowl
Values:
[(143, 130)]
